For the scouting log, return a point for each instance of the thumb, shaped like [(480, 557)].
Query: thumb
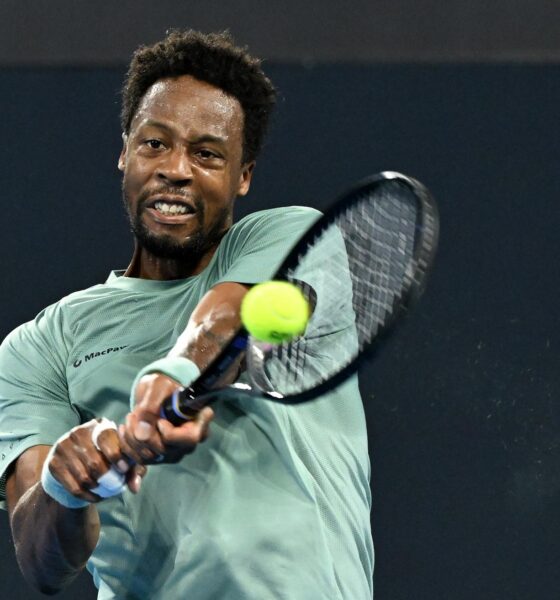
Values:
[(150, 393), (134, 479)]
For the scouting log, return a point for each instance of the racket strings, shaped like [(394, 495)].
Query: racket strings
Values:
[(355, 270), (379, 256)]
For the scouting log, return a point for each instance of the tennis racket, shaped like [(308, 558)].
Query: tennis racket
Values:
[(361, 266)]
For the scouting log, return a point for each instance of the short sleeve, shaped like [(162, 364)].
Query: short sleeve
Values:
[(34, 404), (256, 246)]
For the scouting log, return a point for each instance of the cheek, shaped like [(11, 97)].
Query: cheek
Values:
[(131, 189), (126, 183), (136, 170), (215, 188), (134, 182)]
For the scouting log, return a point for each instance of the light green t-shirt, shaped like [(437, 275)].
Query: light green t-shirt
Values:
[(275, 504)]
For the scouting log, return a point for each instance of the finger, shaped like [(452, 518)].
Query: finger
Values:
[(78, 447), (140, 451), (109, 445), (188, 434), (151, 391), (74, 477), (150, 394), (148, 447), (145, 412), (128, 442), (134, 478), (130, 453), (96, 475), (206, 416)]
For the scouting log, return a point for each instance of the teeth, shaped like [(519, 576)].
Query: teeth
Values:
[(171, 209)]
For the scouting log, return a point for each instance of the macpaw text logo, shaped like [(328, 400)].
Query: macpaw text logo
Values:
[(93, 355)]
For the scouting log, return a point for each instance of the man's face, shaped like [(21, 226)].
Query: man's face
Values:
[(182, 166)]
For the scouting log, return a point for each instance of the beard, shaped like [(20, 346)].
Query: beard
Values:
[(189, 250)]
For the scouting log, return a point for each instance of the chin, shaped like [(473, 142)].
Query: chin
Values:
[(163, 246)]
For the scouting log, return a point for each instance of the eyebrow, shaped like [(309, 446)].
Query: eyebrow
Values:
[(203, 138)]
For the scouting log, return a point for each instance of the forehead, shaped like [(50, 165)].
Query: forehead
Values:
[(186, 102)]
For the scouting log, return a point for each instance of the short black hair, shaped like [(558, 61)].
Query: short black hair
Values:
[(213, 58)]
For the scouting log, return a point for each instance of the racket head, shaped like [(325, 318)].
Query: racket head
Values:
[(362, 266)]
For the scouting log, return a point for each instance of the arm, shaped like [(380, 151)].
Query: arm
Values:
[(211, 325), (52, 542)]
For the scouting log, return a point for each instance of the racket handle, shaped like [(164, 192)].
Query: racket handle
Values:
[(181, 406)]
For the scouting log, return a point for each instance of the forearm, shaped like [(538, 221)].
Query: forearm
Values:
[(212, 324), (52, 543)]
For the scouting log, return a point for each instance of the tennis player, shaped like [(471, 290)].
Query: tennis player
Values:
[(275, 503)]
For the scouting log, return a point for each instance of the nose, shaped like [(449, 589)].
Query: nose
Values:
[(176, 168)]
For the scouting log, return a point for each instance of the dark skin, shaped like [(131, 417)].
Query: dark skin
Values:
[(182, 169)]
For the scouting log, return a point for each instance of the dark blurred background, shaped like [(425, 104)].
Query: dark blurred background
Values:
[(463, 403)]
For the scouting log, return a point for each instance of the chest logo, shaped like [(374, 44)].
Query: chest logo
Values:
[(94, 355)]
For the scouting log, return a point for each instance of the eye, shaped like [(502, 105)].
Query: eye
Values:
[(154, 144), (206, 154)]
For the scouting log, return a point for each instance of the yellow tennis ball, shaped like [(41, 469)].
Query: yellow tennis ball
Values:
[(275, 311)]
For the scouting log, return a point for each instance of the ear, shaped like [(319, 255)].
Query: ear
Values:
[(122, 156), (245, 178)]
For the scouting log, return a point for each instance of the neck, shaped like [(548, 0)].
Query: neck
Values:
[(145, 265)]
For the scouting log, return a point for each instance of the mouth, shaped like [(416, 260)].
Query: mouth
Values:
[(170, 209)]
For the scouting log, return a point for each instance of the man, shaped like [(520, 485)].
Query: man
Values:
[(275, 504)]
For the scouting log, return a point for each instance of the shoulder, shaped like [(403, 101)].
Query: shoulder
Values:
[(299, 217), (287, 223), (255, 246)]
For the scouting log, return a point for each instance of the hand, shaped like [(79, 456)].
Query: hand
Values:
[(77, 464), (147, 438)]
